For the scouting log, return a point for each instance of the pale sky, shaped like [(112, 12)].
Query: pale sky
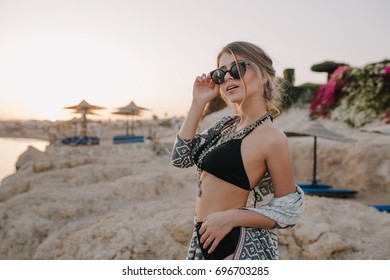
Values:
[(54, 53)]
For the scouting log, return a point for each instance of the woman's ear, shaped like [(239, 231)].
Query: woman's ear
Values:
[(264, 80)]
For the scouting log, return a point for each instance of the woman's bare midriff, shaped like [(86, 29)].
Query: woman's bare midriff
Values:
[(218, 195)]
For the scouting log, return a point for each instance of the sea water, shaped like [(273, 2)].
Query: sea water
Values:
[(11, 149)]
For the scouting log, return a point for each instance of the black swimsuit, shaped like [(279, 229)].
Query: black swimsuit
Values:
[(225, 162), (226, 246)]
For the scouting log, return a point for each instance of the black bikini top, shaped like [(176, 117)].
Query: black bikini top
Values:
[(225, 160)]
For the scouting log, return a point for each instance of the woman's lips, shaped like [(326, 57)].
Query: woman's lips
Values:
[(231, 87)]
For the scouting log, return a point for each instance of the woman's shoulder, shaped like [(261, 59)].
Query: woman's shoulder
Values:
[(269, 134)]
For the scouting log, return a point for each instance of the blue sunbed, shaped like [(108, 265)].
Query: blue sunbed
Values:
[(119, 139), (316, 185), (382, 208), (343, 193), (78, 140)]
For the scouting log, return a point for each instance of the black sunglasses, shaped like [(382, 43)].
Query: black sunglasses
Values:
[(237, 69)]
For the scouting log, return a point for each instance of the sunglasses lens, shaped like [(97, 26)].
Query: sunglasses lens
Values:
[(218, 76), (238, 69)]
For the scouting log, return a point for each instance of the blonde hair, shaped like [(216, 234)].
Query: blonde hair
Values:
[(262, 64)]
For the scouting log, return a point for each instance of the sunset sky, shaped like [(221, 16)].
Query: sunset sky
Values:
[(54, 53)]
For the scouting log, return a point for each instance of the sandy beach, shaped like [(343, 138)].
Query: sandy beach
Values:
[(126, 201)]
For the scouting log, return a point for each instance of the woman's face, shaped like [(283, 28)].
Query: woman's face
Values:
[(234, 89)]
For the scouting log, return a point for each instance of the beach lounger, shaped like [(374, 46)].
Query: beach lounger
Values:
[(382, 208), (315, 185), (120, 139), (340, 193), (77, 140)]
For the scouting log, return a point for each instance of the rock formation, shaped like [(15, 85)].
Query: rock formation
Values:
[(126, 202)]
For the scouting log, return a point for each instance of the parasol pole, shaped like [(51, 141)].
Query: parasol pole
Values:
[(314, 182), (127, 125), (132, 124), (84, 125)]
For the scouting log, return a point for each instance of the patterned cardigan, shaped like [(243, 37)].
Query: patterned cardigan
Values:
[(254, 243)]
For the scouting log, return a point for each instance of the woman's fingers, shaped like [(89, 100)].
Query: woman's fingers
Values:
[(214, 245), (201, 78), (206, 240), (205, 235), (204, 78), (210, 240), (214, 228)]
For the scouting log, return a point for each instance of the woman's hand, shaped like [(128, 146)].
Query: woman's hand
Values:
[(204, 89), (214, 228)]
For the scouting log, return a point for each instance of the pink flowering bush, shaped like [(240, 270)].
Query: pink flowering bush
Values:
[(386, 74), (355, 96), (386, 118), (324, 100), (327, 95), (386, 79)]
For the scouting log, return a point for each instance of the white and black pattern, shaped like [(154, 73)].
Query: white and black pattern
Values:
[(182, 153), (257, 244), (285, 210), (194, 251), (262, 193)]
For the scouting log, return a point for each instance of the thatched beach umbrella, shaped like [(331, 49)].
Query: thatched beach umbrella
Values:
[(84, 108), (316, 129), (384, 129), (130, 110)]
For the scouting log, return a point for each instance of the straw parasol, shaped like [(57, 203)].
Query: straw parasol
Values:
[(384, 129), (316, 129), (84, 108), (130, 110)]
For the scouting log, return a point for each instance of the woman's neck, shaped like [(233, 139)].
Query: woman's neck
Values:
[(250, 111)]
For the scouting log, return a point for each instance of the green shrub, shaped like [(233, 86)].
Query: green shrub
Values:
[(327, 67), (289, 75), (306, 92)]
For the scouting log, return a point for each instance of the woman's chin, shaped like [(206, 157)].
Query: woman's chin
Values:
[(235, 99)]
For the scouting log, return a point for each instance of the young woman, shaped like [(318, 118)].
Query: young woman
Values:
[(246, 188)]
